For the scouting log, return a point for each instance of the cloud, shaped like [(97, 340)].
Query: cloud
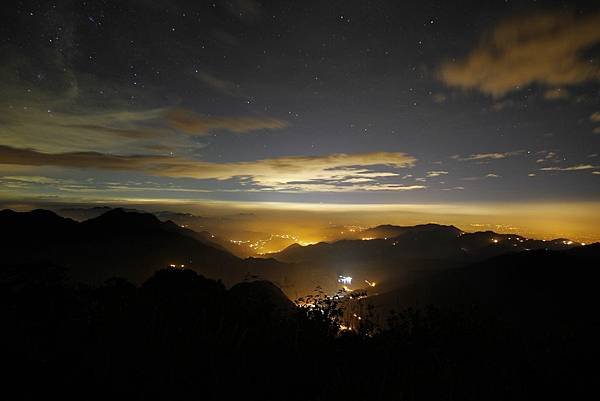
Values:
[(595, 117), (191, 123), (341, 172), (488, 156), (82, 128), (34, 179), (489, 175), (577, 167), (453, 189), (431, 174), (540, 49), (547, 156), (439, 98), (327, 187), (75, 128), (219, 85), (556, 94)]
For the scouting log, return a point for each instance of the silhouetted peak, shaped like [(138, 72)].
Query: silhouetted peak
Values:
[(169, 224), (38, 219), (260, 292), (6, 214), (36, 213), (121, 219), (295, 245), (391, 231), (172, 281)]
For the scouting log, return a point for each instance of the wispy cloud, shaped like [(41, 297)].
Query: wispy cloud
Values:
[(220, 85), (556, 94), (302, 173), (483, 177), (577, 167), (453, 189), (488, 156), (544, 49), (158, 130), (192, 123), (431, 174)]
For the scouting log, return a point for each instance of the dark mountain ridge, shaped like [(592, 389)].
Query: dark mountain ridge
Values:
[(527, 288), (422, 241), (117, 243)]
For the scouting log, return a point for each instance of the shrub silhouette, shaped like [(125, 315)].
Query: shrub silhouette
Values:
[(182, 336)]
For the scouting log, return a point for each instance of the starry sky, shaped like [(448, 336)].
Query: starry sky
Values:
[(303, 102)]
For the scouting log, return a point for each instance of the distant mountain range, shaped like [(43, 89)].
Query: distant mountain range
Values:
[(393, 255), (133, 244), (421, 241)]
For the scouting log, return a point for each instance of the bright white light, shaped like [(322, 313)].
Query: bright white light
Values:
[(346, 280)]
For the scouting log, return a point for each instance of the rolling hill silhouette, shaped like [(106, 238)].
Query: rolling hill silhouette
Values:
[(541, 288)]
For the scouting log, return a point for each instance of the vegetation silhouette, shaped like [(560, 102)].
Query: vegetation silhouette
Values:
[(179, 335)]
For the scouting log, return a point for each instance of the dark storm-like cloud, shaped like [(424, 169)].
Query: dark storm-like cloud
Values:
[(540, 49)]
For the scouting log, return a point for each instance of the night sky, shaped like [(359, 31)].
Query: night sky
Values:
[(353, 102)]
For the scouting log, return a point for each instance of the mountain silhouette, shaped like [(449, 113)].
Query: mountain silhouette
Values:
[(119, 243), (527, 287)]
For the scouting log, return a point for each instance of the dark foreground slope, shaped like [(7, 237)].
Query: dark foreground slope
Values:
[(518, 327), (531, 285)]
